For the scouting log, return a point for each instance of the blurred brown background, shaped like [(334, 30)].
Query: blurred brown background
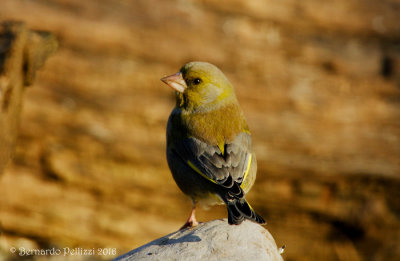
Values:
[(319, 82)]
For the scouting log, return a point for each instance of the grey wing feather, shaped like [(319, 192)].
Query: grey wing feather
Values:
[(210, 161)]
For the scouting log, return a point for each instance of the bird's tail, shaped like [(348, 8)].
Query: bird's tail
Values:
[(239, 210)]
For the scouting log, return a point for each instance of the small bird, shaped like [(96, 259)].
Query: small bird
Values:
[(209, 150)]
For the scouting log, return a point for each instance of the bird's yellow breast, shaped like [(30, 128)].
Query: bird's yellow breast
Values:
[(217, 127)]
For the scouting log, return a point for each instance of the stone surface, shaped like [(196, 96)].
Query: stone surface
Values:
[(214, 241)]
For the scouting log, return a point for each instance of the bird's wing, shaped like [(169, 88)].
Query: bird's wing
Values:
[(226, 169)]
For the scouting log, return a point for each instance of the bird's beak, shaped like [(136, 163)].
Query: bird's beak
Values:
[(176, 82)]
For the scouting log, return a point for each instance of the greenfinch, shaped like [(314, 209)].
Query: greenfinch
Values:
[(209, 147)]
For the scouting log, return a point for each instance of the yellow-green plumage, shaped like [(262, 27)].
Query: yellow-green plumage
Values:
[(213, 127), (209, 147)]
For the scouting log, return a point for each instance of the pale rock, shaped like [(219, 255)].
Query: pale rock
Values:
[(214, 240)]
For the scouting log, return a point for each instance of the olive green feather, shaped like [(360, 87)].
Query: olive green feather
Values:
[(209, 146)]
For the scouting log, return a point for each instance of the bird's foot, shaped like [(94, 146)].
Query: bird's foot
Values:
[(191, 222)]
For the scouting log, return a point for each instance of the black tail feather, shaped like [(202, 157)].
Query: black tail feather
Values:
[(239, 210)]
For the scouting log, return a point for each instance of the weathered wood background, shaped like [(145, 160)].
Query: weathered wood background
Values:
[(319, 82)]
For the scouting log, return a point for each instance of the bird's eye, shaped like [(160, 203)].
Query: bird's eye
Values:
[(197, 81)]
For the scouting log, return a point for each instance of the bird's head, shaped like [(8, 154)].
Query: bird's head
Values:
[(200, 86)]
